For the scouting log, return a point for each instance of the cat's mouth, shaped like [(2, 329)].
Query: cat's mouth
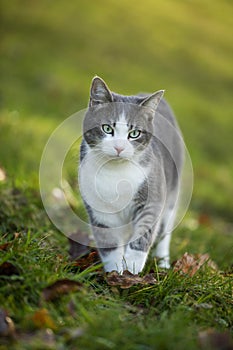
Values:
[(119, 158)]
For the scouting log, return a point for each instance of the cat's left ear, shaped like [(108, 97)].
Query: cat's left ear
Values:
[(153, 100), (100, 92)]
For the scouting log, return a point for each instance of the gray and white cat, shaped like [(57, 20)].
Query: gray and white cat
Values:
[(129, 175)]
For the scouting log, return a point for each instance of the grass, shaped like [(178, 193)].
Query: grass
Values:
[(49, 53)]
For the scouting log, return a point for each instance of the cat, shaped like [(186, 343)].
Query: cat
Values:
[(129, 175)]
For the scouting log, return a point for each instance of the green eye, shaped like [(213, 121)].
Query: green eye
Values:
[(107, 129), (134, 134)]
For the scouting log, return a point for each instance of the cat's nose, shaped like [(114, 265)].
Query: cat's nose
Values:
[(119, 150)]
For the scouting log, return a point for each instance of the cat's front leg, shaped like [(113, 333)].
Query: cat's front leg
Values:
[(110, 247), (137, 251), (112, 258), (134, 260)]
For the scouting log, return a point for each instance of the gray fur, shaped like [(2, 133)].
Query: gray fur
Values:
[(152, 200)]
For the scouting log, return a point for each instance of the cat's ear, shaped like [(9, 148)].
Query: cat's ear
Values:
[(99, 93), (153, 100)]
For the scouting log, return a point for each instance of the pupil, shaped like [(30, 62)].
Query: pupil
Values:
[(134, 133)]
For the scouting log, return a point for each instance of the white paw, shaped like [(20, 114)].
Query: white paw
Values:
[(164, 263)]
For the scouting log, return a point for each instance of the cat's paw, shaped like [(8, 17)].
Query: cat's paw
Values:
[(164, 263)]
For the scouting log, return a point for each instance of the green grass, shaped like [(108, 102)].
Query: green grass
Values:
[(49, 53)]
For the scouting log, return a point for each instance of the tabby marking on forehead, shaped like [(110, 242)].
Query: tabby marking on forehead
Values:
[(121, 128), (122, 118)]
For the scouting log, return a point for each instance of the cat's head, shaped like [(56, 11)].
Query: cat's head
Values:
[(119, 126)]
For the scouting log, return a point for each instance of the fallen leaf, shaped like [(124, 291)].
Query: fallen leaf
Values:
[(8, 269), (189, 264), (128, 279), (212, 339), (5, 246), (42, 319), (7, 327), (16, 235), (87, 261), (60, 288)]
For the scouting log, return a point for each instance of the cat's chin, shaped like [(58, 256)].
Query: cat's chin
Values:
[(118, 158)]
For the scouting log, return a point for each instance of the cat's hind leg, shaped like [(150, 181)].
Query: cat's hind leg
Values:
[(162, 250)]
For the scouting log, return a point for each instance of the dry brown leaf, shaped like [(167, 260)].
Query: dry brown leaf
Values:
[(87, 261), (16, 235), (42, 319), (190, 263), (128, 279), (5, 246), (8, 269), (60, 288), (212, 339)]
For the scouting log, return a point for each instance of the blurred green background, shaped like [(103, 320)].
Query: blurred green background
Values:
[(50, 50)]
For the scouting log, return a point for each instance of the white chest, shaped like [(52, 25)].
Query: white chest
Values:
[(108, 186)]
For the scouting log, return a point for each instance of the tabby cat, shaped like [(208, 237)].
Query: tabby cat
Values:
[(129, 175)]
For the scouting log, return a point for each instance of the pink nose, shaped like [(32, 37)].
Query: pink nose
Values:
[(119, 150)]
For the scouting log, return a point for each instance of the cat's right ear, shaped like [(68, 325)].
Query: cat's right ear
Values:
[(153, 100), (99, 93)]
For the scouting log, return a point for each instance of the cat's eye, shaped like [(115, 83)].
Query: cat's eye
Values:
[(107, 129), (134, 134)]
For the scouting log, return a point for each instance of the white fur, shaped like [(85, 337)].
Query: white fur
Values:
[(114, 260), (134, 260), (108, 182), (108, 186), (162, 248), (120, 260), (119, 140), (162, 251)]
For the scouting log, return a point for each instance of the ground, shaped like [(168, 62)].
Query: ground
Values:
[(49, 54)]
